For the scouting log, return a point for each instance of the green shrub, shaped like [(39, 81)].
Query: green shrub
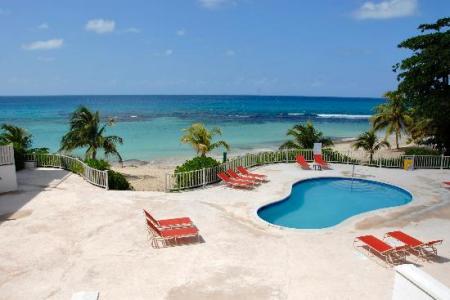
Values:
[(421, 151), (333, 155), (42, 150), (98, 164), (197, 163), (117, 181), (76, 168)]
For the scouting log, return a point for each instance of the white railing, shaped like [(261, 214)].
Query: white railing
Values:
[(6, 155), (75, 165), (202, 177)]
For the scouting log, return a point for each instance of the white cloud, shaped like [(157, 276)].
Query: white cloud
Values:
[(168, 52), (43, 26), (230, 52), (181, 32), (100, 26), (211, 4), (44, 45), (131, 30), (386, 9)]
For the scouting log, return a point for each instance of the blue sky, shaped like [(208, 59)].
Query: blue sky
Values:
[(276, 47)]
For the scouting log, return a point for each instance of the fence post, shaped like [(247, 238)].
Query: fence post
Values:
[(107, 179), (442, 161), (166, 184), (204, 177)]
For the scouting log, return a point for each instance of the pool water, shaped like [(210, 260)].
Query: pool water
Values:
[(324, 202)]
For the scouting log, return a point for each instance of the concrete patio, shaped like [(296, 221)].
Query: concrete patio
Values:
[(61, 235)]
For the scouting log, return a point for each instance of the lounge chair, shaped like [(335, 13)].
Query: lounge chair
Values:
[(234, 175), (165, 235), (244, 171), (423, 250), (318, 159), (234, 182), (373, 245), (169, 223), (302, 162), (446, 184)]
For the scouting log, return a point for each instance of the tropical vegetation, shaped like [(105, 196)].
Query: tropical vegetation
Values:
[(116, 181), (304, 137), (424, 83), (86, 131), (201, 138), (369, 142), (21, 140), (393, 116), (197, 163)]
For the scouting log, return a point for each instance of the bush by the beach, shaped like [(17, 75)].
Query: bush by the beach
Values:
[(117, 181), (98, 164), (197, 163), (421, 151)]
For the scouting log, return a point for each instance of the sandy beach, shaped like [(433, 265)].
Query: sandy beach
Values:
[(150, 175)]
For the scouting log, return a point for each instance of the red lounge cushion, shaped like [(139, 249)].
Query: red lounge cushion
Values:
[(375, 243), (175, 221), (179, 232), (407, 239)]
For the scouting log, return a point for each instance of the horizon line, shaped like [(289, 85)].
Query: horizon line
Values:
[(212, 95)]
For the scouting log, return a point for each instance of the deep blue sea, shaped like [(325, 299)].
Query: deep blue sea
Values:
[(151, 126)]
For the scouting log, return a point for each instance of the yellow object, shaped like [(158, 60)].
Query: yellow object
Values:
[(408, 164)]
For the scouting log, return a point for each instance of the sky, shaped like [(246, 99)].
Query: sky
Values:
[(258, 47)]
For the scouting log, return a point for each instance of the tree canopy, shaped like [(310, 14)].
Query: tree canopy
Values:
[(86, 131), (394, 116), (369, 142), (304, 137), (424, 81), (201, 139), (17, 136)]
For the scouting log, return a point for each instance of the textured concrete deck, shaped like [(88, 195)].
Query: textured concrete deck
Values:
[(60, 235)]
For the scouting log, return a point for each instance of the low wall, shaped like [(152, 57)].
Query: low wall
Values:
[(414, 284), (8, 180)]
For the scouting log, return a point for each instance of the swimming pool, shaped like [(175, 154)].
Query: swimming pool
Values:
[(323, 202)]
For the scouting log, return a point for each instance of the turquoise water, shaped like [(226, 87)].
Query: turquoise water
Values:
[(151, 125), (324, 202)]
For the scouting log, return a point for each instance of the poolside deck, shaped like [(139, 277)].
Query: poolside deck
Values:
[(61, 235)]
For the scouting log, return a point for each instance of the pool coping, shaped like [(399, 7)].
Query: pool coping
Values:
[(346, 222)]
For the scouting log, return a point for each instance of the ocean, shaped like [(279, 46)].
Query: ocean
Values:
[(151, 126)]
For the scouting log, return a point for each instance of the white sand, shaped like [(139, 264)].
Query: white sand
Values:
[(150, 176), (64, 235)]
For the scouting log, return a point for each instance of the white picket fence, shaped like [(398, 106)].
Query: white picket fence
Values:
[(198, 178), (6, 155), (75, 165)]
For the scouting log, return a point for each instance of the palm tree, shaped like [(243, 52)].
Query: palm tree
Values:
[(201, 138), (86, 131), (393, 116), (369, 142), (17, 136), (304, 137)]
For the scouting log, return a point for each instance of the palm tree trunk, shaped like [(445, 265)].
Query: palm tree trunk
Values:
[(396, 139), (94, 154)]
